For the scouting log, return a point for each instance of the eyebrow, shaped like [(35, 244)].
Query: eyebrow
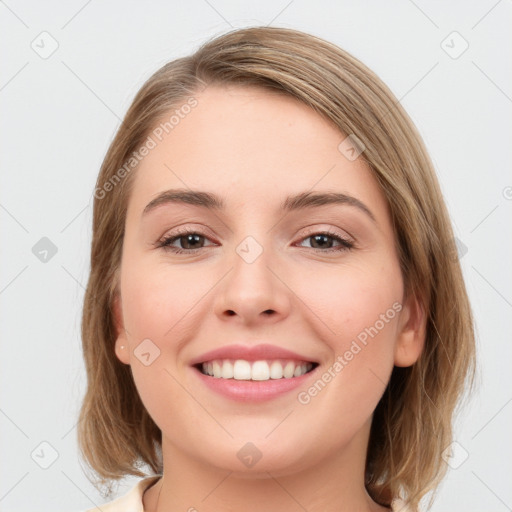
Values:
[(296, 202)]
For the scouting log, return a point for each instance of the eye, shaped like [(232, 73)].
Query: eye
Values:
[(323, 241), (190, 241)]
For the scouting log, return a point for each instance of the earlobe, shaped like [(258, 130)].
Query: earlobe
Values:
[(121, 344), (411, 335), (121, 350)]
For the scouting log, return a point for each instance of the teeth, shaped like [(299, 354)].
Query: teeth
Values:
[(288, 371), (276, 370), (260, 370), (227, 370), (217, 369), (242, 370), (300, 370), (257, 370)]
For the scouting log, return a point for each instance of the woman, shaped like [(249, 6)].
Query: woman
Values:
[(274, 318)]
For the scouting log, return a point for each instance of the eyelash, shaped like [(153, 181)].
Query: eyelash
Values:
[(165, 243)]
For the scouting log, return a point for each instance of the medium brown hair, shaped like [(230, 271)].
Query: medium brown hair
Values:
[(412, 423)]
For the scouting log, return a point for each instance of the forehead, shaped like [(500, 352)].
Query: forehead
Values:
[(250, 146)]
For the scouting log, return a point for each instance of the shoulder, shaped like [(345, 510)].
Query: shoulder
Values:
[(129, 502)]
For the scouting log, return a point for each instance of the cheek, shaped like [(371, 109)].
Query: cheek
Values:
[(358, 311), (161, 310), (156, 301), (351, 301)]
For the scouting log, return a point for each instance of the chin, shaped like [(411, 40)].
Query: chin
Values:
[(256, 459)]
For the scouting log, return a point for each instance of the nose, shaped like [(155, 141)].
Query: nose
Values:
[(253, 292)]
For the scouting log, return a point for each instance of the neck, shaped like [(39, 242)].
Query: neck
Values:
[(335, 484)]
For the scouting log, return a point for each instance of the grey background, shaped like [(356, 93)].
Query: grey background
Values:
[(59, 113)]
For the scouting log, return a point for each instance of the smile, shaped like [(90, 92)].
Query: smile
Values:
[(262, 370), (254, 381)]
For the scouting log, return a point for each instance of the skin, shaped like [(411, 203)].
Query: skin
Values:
[(254, 148)]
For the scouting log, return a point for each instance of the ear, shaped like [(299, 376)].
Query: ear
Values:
[(121, 344), (411, 333)]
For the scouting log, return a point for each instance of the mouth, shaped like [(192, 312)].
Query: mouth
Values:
[(254, 373), (260, 370)]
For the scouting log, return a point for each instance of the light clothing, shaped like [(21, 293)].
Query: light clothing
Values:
[(132, 500)]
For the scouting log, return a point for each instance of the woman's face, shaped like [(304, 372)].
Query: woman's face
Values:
[(279, 280)]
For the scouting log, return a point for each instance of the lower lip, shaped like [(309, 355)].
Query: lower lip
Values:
[(253, 390)]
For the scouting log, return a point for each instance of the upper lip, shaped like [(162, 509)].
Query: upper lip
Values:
[(250, 353)]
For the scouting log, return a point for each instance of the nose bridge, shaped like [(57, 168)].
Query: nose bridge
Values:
[(252, 290)]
